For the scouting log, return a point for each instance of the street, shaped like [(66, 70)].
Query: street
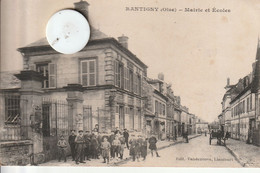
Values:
[(196, 153)]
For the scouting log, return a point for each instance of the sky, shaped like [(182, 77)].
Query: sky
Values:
[(195, 51)]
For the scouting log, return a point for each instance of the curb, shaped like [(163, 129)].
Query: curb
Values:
[(242, 163), (163, 147)]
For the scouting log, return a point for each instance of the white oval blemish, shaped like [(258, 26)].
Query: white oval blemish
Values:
[(67, 31)]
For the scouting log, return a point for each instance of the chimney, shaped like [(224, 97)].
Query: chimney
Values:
[(228, 84), (82, 7), (161, 76), (228, 81), (123, 40)]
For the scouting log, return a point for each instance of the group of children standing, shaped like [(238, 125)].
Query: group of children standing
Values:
[(86, 146)]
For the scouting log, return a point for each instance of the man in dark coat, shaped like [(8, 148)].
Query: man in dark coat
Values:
[(80, 145), (126, 136), (94, 147), (185, 136), (87, 151), (72, 144), (152, 145), (112, 149), (133, 147), (99, 139), (144, 148)]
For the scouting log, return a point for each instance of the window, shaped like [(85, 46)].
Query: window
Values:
[(126, 79), (117, 109), (250, 102), (131, 81), (160, 108), (117, 77), (247, 105), (139, 84), (139, 119), (12, 109), (135, 83), (156, 106), (119, 74), (163, 109), (244, 106), (88, 72), (48, 70), (131, 118)]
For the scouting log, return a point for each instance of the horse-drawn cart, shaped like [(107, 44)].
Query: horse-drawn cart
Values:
[(219, 135)]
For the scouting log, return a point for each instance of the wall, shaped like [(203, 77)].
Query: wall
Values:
[(15, 153)]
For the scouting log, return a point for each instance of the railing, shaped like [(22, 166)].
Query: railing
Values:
[(10, 133)]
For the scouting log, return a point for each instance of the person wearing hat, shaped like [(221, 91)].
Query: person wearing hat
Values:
[(152, 145), (112, 149), (116, 144), (80, 144), (72, 143), (62, 145), (87, 150), (139, 146), (105, 147), (94, 147), (144, 148), (122, 146), (126, 136), (133, 147), (117, 131)]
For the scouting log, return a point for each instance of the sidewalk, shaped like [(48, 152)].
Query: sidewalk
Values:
[(114, 162), (247, 155), (160, 145)]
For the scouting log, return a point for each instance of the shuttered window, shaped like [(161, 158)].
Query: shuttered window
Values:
[(131, 81), (49, 71), (139, 84), (52, 75), (88, 72), (117, 76), (126, 79), (135, 83)]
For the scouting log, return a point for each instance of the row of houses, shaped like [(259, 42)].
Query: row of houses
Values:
[(103, 87), (240, 106)]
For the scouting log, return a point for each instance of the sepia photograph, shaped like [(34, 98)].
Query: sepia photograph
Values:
[(130, 83)]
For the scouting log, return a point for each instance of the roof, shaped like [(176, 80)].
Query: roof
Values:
[(249, 87), (94, 34), (160, 94), (97, 37), (9, 81)]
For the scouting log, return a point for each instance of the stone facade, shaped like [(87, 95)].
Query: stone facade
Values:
[(240, 106)]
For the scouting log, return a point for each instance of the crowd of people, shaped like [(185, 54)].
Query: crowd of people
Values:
[(87, 146)]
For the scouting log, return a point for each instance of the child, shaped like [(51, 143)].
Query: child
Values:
[(105, 146), (62, 145), (122, 147), (116, 145), (152, 145)]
